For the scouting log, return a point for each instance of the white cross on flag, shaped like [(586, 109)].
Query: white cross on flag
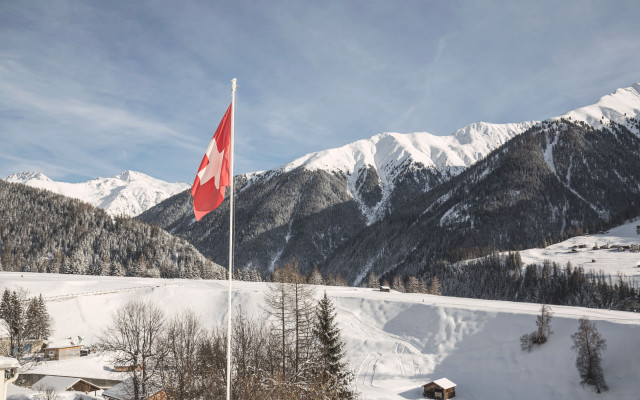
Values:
[(214, 171)]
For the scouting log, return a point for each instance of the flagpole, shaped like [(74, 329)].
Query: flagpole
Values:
[(234, 86)]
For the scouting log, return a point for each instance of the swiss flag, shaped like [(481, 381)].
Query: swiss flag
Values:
[(214, 171)]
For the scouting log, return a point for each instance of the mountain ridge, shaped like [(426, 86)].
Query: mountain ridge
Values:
[(128, 193)]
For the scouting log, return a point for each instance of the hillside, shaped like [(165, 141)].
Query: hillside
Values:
[(46, 232), (307, 208), (556, 178), (394, 342), (600, 252), (128, 193)]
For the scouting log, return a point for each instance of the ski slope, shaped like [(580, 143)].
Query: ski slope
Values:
[(395, 342)]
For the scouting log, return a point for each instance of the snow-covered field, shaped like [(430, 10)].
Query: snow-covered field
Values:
[(611, 261), (395, 342)]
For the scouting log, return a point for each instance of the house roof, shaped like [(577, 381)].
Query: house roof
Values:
[(8, 362), (123, 390), (61, 383), (444, 383), (61, 345)]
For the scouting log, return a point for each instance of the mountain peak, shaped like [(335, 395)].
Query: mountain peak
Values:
[(129, 193), (22, 177), (618, 106)]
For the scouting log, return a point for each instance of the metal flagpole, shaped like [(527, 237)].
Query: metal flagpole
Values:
[(234, 86)]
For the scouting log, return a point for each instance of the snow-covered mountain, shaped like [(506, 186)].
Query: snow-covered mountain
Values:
[(618, 106), (308, 209), (388, 155), (129, 193)]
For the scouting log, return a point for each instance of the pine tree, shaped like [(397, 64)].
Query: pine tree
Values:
[(372, 280), (316, 277), (588, 343), (436, 287), (543, 322), (397, 284), (333, 371), (413, 285)]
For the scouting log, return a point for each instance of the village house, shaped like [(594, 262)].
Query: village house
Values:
[(28, 346), (124, 390), (61, 351), (66, 383), (442, 388), (9, 368)]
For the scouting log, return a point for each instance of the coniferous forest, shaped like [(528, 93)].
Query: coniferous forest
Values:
[(45, 232)]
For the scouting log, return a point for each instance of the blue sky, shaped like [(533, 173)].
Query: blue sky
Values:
[(91, 88)]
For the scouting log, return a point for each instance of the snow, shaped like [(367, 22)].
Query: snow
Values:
[(59, 383), (394, 342), (129, 193), (611, 261), (388, 152), (618, 106), (444, 383)]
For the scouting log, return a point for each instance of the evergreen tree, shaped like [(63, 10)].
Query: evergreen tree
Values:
[(436, 287), (543, 322), (316, 277), (588, 343), (333, 371), (372, 280), (397, 284)]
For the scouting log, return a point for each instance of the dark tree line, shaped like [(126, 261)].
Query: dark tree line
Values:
[(44, 232), (504, 277)]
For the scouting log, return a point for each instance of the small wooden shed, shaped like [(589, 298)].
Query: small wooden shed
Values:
[(442, 388), (385, 288), (62, 352)]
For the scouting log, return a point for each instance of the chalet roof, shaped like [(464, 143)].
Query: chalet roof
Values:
[(8, 362), (61, 383), (123, 390), (444, 383), (62, 345)]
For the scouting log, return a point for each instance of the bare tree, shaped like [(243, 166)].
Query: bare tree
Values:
[(133, 339), (588, 343), (291, 304), (181, 341), (47, 393)]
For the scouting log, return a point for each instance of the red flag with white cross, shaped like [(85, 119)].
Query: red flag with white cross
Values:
[(214, 171)]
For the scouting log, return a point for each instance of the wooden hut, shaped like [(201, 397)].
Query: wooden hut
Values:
[(385, 288), (442, 388), (61, 352)]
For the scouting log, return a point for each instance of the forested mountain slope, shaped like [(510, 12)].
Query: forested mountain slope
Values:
[(557, 178), (397, 201), (307, 208), (44, 232)]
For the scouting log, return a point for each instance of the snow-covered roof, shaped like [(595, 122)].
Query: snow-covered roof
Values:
[(445, 383), (8, 362), (59, 383), (61, 345), (123, 390)]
